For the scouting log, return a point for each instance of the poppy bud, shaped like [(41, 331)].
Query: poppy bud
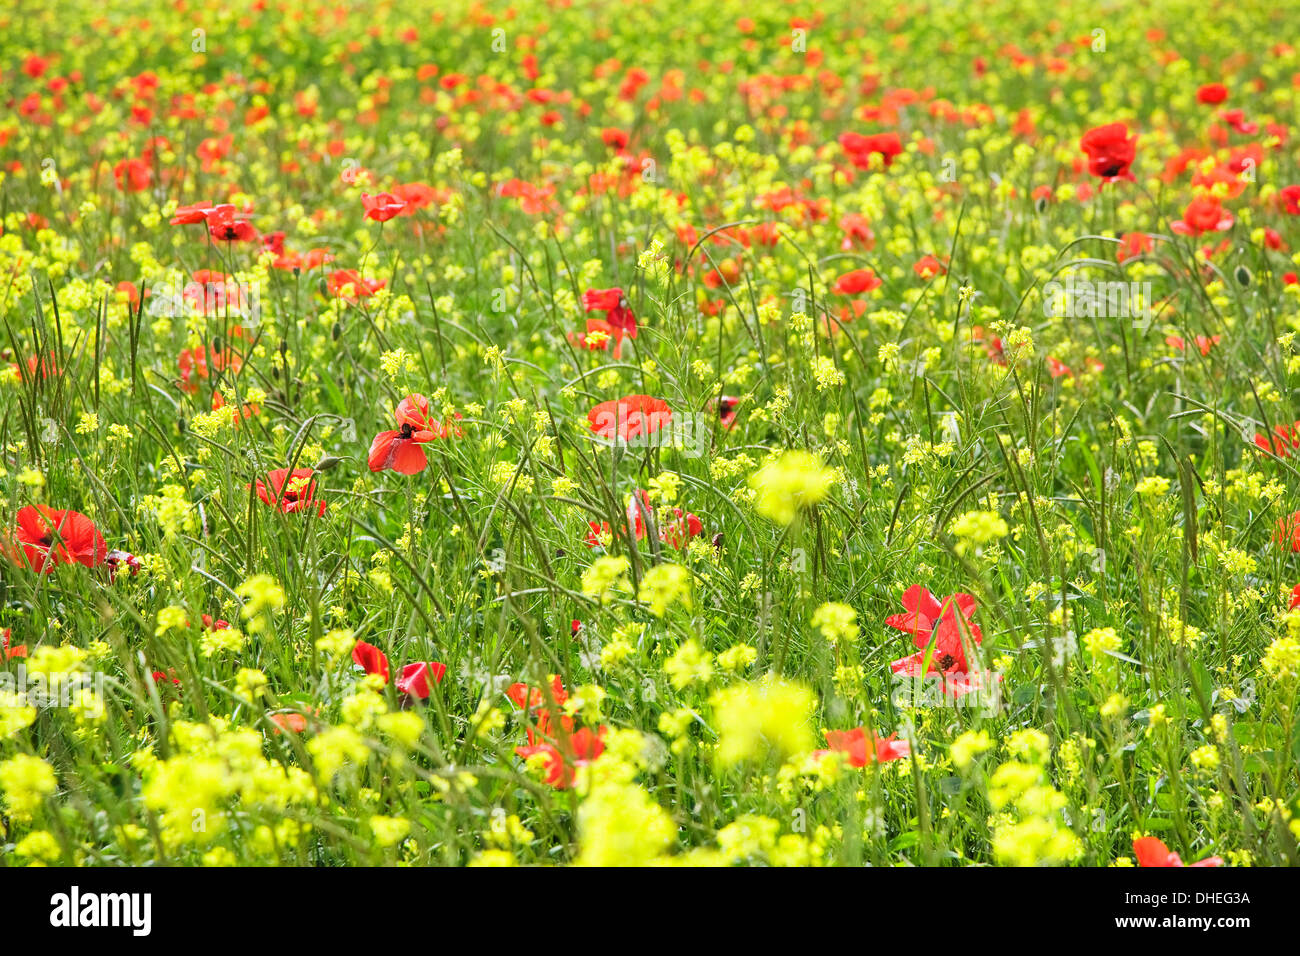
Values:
[(1243, 276), (328, 462), (717, 541), (1040, 205)]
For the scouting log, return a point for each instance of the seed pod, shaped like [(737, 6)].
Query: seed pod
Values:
[(1243, 276)]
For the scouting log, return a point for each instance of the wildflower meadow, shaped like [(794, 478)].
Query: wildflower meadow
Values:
[(624, 433)]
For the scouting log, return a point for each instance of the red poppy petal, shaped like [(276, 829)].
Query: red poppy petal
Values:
[(381, 450), (911, 623), (1151, 851), (408, 458), (918, 598)]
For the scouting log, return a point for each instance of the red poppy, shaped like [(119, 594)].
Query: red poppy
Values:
[(400, 449), (1133, 244), (291, 491), (8, 653), (195, 213), (567, 754), (1210, 251), (416, 196), (117, 559), (132, 175), (415, 678), (1057, 369), (927, 267), (213, 293), (860, 148), (676, 532), (35, 66), (856, 282), (727, 273), (598, 336), (924, 611), (1211, 94), (294, 722), (533, 200), (1219, 181), (854, 744), (315, 258), (214, 149), (638, 506), (371, 659), (1151, 851), (195, 364), (1204, 342), (766, 234), (679, 532), (1203, 215), (1111, 151), (131, 290), (1295, 598), (1288, 531), (931, 622), (536, 702), (596, 531), (630, 417), (225, 225), (382, 207), (349, 284), (232, 230), (525, 697), (1286, 438), (1237, 120), (992, 345), (616, 139), (48, 536), (274, 242), (245, 410), (857, 232), (618, 313), (45, 366), (1240, 160), (727, 405), (1288, 198)]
